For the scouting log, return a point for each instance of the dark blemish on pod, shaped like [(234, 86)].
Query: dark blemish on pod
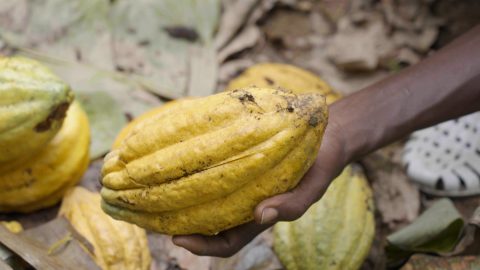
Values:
[(129, 116), (290, 107), (313, 121), (57, 113), (269, 81), (246, 97)]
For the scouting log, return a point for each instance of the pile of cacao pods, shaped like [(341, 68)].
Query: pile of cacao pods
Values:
[(44, 142), (195, 165), (44, 136)]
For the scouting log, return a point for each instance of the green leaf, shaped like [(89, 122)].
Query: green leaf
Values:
[(437, 230), (167, 63), (106, 120)]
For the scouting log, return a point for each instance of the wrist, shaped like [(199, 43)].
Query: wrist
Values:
[(337, 129)]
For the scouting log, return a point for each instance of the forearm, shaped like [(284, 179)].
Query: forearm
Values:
[(443, 86)]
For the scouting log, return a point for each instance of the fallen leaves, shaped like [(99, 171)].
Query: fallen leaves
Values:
[(425, 262), (437, 230), (125, 50), (396, 198), (360, 48), (106, 120), (32, 247), (257, 255)]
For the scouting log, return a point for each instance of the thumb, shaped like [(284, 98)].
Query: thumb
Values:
[(293, 204)]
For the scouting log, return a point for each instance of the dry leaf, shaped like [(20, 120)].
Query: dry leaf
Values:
[(202, 71), (106, 120), (360, 48), (470, 242), (335, 9), (409, 15), (320, 25), (263, 8), (420, 41), (166, 63), (287, 28), (396, 198), (231, 69), (257, 255), (168, 256), (425, 262), (63, 243), (34, 252), (234, 17), (245, 39)]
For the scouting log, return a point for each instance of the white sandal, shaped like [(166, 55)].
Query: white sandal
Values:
[(444, 160)]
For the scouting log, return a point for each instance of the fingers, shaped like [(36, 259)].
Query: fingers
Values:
[(293, 204), (225, 244)]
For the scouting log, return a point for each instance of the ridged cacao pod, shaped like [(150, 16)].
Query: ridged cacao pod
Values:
[(33, 102), (334, 233), (43, 179), (116, 244), (284, 76), (204, 166), (135, 123), (267, 75)]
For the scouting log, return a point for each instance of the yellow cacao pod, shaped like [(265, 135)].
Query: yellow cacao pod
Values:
[(135, 123), (204, 165), (284, 76), (116, 244), (33, 102), (42, 181), (335, 233)]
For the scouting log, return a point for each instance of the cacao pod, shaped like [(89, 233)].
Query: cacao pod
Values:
[(43, 179), (135, 123), (335, 232), (116, 244), (33, 102), (204, 166), (285, 76)]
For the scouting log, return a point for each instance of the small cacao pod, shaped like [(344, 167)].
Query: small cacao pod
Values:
[(43, 179), (285, 76), (116, 244), (33, 102), (335, 232), (204, 165)]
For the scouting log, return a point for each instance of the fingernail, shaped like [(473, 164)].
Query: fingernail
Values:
[(269, 215), (177, 240)]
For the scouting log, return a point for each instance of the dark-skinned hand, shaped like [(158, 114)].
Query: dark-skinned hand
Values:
[(284, 207), (441, 87)]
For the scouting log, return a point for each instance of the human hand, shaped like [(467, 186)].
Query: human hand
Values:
[(442, 87), (284, 207)]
